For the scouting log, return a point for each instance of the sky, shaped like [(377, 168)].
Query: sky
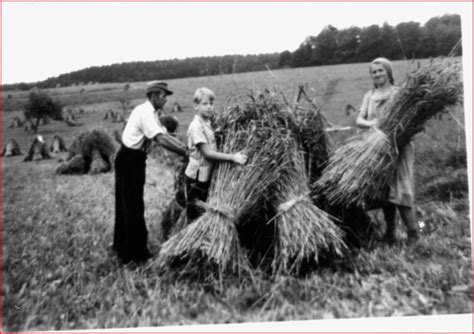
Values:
[(42, 40)]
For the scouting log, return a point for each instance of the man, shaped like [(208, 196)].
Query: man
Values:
[(143, 126)]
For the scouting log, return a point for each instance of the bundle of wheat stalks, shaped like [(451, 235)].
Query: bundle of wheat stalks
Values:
[(302, 229), (267, 131), (360, 171)]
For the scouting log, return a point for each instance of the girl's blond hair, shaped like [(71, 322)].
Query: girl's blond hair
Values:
[(201, 92)]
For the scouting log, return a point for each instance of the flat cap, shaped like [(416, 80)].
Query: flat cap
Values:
[(156, 86)]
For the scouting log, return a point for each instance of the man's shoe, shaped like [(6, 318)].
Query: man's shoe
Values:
[(388, 239), (143, 258), (412, 238), (111, 249)]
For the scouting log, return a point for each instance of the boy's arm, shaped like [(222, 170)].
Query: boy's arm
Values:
[(172, 144), (210, 154)]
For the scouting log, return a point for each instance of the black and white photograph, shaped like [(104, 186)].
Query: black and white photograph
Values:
[(213, 166)]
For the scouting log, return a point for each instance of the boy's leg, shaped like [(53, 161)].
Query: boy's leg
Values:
[(195, 191), (191, 212)]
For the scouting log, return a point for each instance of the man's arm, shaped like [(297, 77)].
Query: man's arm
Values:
[(172, 144)]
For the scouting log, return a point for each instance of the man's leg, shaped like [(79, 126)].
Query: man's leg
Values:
[(139, 230), (119, 227)]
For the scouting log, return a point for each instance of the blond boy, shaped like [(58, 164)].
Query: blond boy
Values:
[(203, 152)]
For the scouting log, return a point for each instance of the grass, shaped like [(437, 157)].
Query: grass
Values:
[(58, 275)]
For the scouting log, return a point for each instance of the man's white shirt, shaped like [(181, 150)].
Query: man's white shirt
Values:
[(142, 124)]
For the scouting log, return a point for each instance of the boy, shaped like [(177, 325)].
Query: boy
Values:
[(203, 153)]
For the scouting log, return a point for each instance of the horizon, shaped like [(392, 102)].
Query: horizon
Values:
[(72, 45)]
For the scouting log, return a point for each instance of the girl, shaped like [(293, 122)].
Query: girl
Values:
[(401, 190)]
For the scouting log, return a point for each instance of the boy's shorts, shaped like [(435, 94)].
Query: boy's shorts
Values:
[(195, 191)]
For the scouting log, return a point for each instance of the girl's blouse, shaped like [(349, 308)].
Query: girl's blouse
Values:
[(375, 103)]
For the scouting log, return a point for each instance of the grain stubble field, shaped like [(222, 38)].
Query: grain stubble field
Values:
[(58, 274)]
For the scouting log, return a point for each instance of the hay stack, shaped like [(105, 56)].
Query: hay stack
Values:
[(110, 114), (45, 120), (30, 126), (58, 145), (86, 142), (176, 107), (11, 149), (359, 172), (16, 123), (118, 118), (97, 150), (266, 130), (71, 120), (38, 150)]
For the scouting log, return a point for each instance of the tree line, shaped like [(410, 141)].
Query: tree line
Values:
[(409, 40)]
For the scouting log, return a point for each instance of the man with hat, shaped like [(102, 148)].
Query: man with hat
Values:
[(143, 126)]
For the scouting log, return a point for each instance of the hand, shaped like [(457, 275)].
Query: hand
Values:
[(239, 158), (218, 131), (374, 122)]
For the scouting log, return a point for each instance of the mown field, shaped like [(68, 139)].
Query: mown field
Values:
[(57, 273)]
